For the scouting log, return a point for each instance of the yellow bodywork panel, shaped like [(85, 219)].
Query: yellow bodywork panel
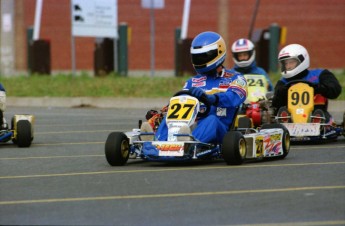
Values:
[(300, 102)]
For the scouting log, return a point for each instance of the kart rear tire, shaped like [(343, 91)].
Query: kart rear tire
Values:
[(24, 134), (286, 137), (283, 112), (117, 149), (234, 148)]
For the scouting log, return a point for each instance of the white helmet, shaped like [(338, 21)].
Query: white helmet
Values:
[(297, 52), (243, 45)]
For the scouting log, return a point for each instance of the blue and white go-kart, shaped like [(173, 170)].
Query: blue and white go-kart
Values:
[(21, 132), (238, 145)]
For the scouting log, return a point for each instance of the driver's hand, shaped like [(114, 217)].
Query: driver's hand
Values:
[(197, 92), (317, 88), (212, 99)]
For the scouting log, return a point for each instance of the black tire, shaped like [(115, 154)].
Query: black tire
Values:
[(117, 149), (234, 148), (24, 133), (286, 137)]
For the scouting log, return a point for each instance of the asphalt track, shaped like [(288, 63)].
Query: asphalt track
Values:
[(64, 179)]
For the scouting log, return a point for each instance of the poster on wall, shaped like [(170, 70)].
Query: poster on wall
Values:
[(94, 18), (155, 4)]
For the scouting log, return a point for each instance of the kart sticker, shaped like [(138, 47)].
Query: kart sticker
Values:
[(169, 149), (259, 145), (273, 145)]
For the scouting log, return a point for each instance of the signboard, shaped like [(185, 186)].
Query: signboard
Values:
[(155, 4), (94, 18)]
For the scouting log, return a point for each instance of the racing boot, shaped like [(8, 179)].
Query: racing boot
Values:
[(146, 128)]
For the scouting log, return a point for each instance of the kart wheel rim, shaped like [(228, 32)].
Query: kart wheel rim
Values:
[(284, 114), (242, 147), (317, 118), (124, 148)]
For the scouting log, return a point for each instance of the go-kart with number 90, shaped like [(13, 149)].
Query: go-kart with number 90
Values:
[(304, 121), (238, 145)]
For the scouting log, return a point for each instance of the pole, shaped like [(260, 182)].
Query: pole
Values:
[(152, 25), (256, 7), (73, 61), (37, 23), (185, 19)]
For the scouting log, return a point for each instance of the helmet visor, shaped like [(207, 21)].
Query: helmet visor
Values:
[(243, 56), (288, 64), (204, 58)]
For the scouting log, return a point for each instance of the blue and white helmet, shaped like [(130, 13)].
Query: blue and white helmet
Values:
[(208, 51), (243, 45)]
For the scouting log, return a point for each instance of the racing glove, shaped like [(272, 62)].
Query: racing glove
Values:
[(213, 99), (197, 92), (317, 88)]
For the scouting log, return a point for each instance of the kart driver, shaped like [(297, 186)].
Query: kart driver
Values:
[(294, 61), (226, 89), (243, 55)]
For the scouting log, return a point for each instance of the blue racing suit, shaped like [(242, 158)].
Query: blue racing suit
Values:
[(2, 87), (253, 69), (231, 90)]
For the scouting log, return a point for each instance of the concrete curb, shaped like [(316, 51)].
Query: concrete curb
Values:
[(98, 102), (114, 102)]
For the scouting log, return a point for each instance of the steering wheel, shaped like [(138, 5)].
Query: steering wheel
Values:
[(203, 98)]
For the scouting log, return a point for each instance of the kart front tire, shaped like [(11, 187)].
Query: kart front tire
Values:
[(285, 139), (117, 149), (24, 134), (234, 148)]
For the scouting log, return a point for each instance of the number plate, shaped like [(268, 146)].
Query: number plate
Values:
[(303, 129), (182, 108), (300, 102), (257, 87)]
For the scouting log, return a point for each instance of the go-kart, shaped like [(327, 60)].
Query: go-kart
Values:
[(304, 122), (257, 105), (21, 132), (238, 145)]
